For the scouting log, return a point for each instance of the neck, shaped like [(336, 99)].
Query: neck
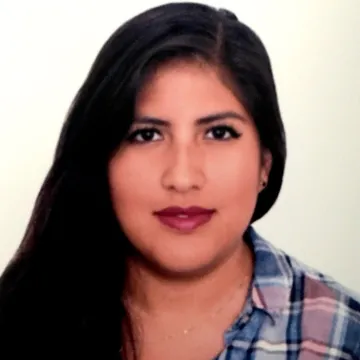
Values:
[(154, 293)]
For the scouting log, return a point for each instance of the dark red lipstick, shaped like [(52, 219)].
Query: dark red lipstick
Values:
[(185, 219)]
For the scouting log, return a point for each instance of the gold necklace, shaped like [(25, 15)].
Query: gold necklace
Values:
[(189, 329)]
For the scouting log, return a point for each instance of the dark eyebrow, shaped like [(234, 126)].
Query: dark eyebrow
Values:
[(201, 121), (220, 116)]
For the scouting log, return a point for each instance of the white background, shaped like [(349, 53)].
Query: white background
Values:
[(47, 48)]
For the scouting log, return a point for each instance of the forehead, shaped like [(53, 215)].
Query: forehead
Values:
[(186, 89)]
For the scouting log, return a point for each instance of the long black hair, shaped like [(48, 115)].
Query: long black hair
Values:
[(61, 294)]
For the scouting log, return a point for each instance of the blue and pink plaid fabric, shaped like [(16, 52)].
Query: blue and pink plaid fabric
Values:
[(293, 312)]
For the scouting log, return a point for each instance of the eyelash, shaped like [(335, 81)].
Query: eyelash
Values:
[(227, 128)]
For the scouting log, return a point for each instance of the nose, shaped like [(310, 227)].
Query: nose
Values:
[(184, 169)]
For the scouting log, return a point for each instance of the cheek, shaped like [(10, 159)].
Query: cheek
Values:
[(235, 171), (234, 180), (124, 180), (130, 178)]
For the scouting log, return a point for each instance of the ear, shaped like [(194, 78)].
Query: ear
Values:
[(266, 164)]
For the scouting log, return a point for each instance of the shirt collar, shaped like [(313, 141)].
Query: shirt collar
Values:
[(273, 276)]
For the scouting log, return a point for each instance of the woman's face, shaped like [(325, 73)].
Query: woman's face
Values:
[(192, 144)]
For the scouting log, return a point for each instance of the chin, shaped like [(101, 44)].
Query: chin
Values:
[(186, 267)]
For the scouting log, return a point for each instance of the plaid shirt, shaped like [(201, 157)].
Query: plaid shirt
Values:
[(293, 312)]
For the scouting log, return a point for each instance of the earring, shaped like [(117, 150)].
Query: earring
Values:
[(264, 183)]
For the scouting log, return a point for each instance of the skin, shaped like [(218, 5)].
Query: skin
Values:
[(215, 164)]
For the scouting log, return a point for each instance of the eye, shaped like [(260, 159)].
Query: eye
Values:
[(223, 132), (144, 135)]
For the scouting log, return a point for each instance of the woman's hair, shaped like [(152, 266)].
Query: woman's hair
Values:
[(62, 291)]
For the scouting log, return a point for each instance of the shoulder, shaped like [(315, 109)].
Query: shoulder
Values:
[(318, 310), (330, 312), (318, 286)]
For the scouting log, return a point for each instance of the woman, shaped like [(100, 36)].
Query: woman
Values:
[(141, 243)]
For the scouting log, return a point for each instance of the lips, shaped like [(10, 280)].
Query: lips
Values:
[(184, 219)]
